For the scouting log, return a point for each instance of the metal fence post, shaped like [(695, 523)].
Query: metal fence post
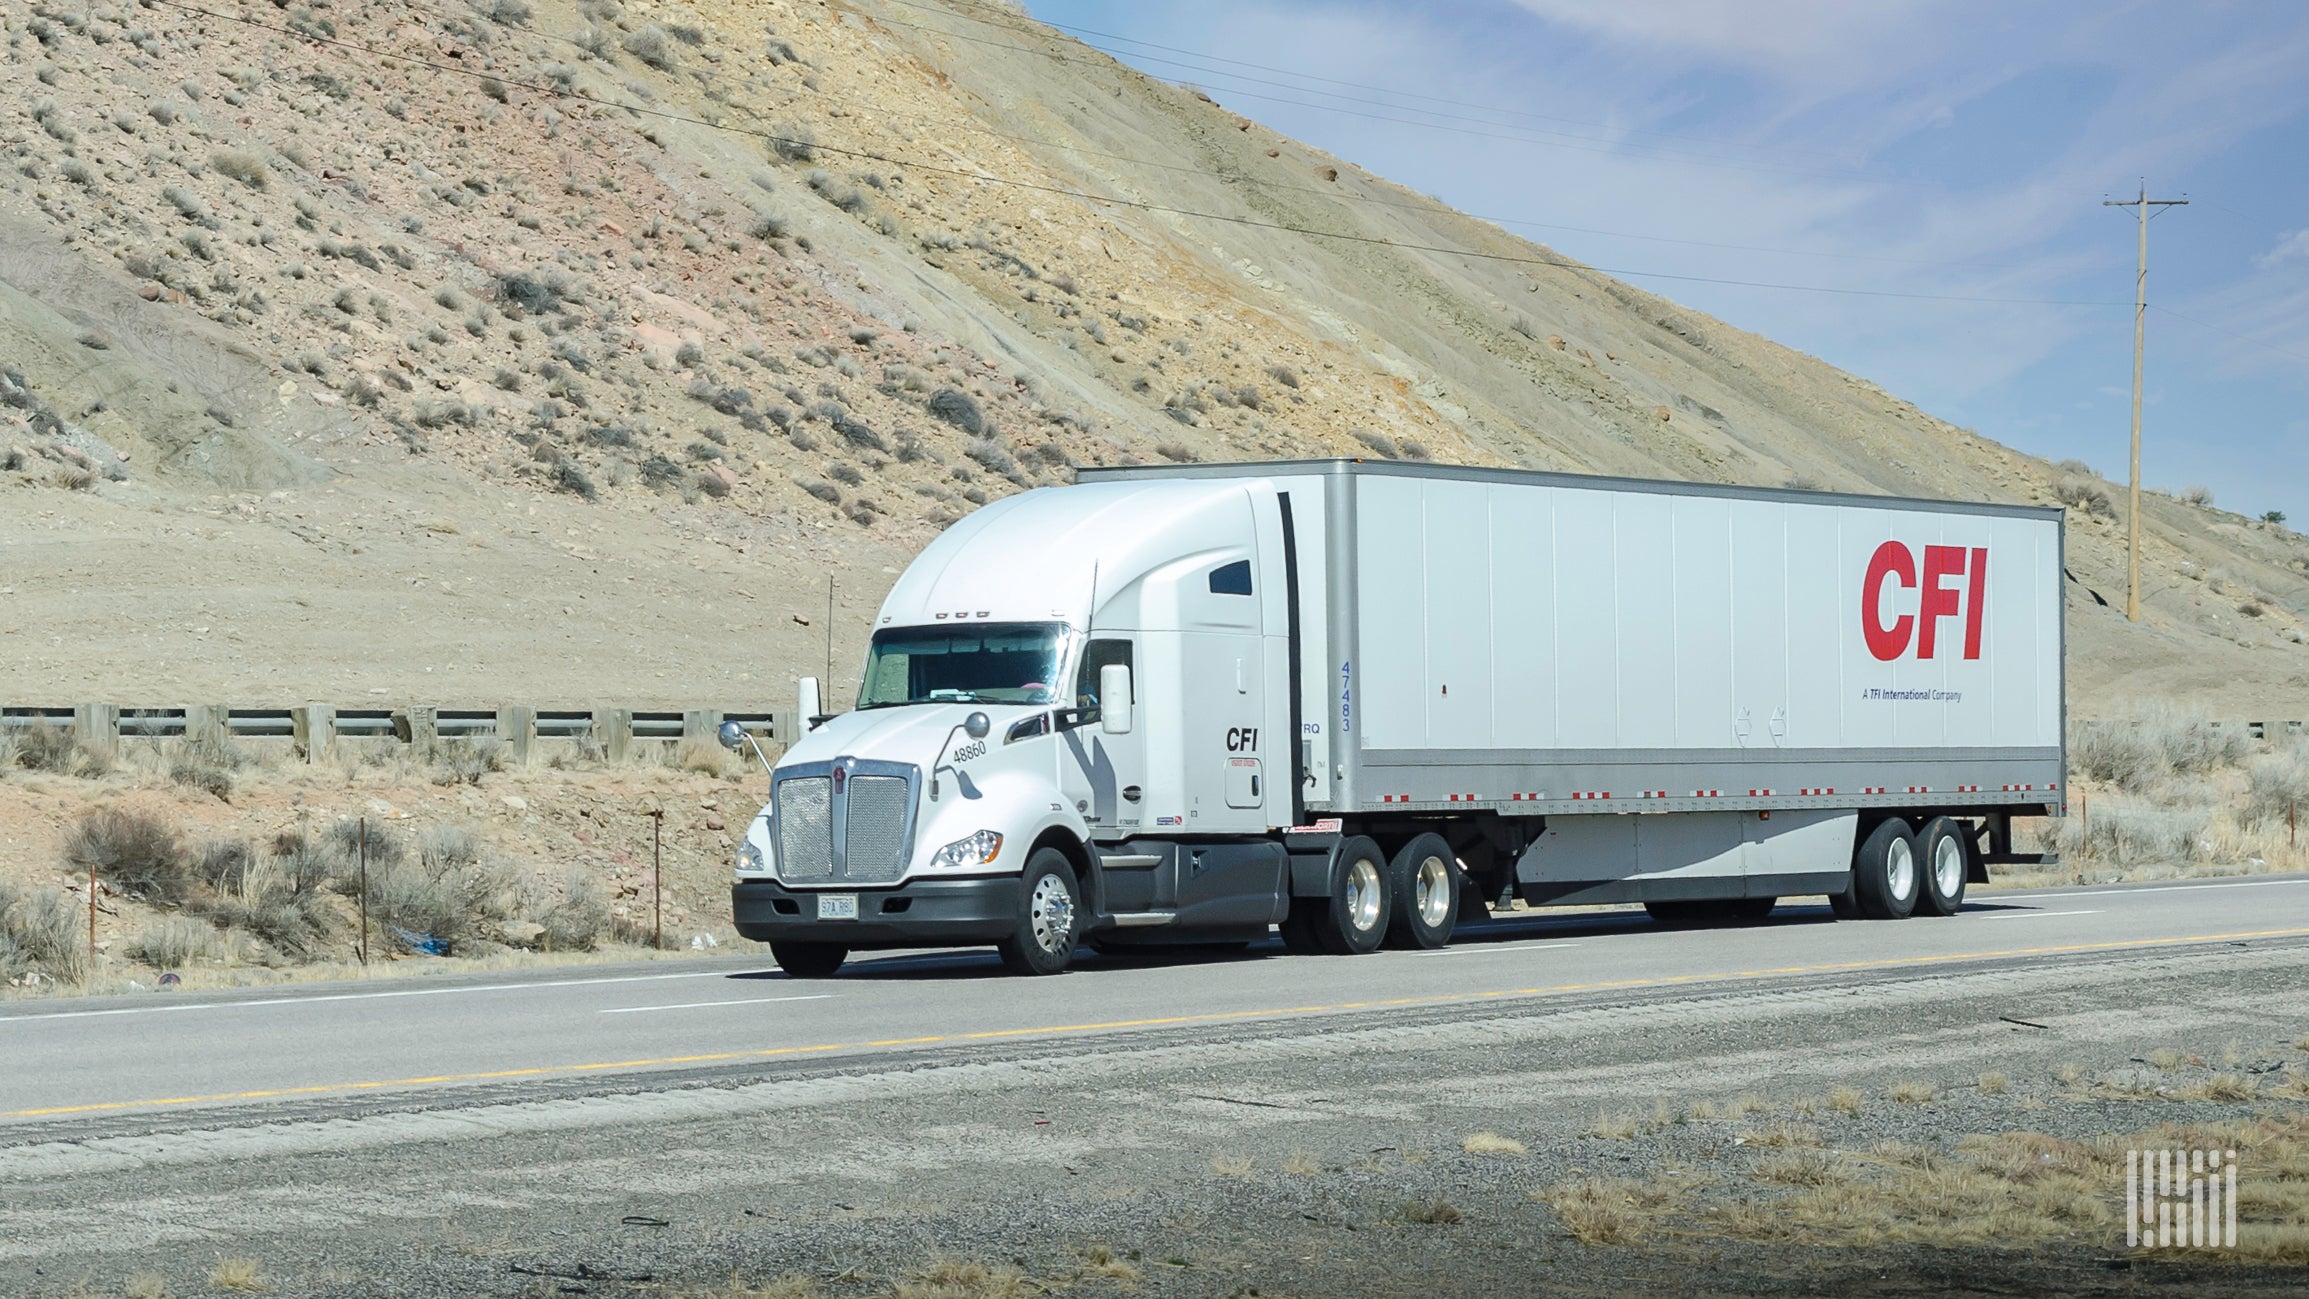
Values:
[(656, 881), (364, 890)]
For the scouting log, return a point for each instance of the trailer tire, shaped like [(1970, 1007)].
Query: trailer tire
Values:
[(1679, 914), (1356, 918), (1885, 877), (1424, 884), (809, 960), (1049, 917), (1943, 861)]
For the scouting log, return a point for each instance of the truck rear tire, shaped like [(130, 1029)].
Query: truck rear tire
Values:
[(1885, 878), (1941, 856), (1049, 917), (1356, 919), (1423, 883), (809, 960)]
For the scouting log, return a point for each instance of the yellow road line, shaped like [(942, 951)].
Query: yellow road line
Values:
[(1208, 1017)]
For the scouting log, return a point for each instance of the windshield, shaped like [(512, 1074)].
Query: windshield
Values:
[(992, 663)]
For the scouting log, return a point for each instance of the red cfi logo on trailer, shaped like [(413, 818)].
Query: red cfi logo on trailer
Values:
[(1943, 565)]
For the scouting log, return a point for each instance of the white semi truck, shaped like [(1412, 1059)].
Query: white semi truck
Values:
[(1364, 701)]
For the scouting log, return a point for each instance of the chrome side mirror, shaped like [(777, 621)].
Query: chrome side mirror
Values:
[(1114, 705), (732, 735), (976, 725), (806, 707)]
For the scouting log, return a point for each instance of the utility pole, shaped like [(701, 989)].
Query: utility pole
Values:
[(2140, 332)]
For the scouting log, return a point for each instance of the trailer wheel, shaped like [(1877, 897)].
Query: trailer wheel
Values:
[(1357, 917), (1941, 855), (1424, 884), (1885, 877), (809, 960), (1049, 919)]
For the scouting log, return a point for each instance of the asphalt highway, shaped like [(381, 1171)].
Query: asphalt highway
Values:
[(404, 1041)]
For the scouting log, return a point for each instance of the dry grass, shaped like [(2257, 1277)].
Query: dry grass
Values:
[(239, 1275), (2219, 1087), (1491, 1143), (1100, 1261), (2165, 1057), (1845, 1100), (1616, 1127), (2070, 1074), (1993, 1083), (1609, 1210), (1301, 1163), (1781, 1136), (1231, 1165), (1437, 1212), (2006, 1189), (963, 1279), (1912, 1093), (146, 1285)]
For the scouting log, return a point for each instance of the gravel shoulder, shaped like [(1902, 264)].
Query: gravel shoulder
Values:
[(1417, 1152)]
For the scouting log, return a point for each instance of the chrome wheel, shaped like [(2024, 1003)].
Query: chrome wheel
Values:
[(1900, 868), (1431, 892), (1948, 866), (1365, 893), (1051, 914)]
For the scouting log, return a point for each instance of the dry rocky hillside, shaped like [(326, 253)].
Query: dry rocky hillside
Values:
[(523, 351)]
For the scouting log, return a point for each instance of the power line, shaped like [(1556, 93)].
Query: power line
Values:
[(983, 177), (2246, 339)]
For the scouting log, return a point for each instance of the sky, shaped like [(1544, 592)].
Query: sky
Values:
[(1938, 149)]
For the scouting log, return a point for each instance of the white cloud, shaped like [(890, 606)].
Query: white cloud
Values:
[(2294, 245)]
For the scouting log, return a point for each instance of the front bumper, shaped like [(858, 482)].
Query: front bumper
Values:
[(919, 913)]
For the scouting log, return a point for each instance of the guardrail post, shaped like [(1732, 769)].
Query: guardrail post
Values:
[(204, 725), (417, 727), (700, 724), (313, 729), (97, 726), (613, 730), (517, 729)]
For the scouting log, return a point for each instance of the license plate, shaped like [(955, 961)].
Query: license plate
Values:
[(837, 906)]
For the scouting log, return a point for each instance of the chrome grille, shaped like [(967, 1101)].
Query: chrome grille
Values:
[(805, 828), (874, 840)]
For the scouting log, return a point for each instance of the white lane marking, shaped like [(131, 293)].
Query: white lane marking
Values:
[(1488, 949), (693, 1005), (361, 996), (2144, 890), (2036, 915)]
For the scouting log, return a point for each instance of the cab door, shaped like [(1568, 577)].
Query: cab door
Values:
[(1104, 775)]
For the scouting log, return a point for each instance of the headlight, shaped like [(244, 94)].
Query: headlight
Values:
[(750, 859), (977, 850)]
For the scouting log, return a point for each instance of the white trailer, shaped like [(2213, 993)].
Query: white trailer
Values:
[(1364, 700)]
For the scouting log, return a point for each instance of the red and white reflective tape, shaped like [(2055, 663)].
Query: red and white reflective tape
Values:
[(1525, 798), (2015, 789), (1394, 798), (1653, 793), (1582, 795), (1707, 793), (1815, 792), (1463, 798), (1759, 793), (1968, 789), (1873, 789), (1920, 789)]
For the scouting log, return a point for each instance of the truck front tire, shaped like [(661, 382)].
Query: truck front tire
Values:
[(1885, 873), (1050, 917), (809, 960), (1423, 883)]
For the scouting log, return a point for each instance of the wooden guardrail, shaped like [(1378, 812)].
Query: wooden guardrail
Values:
[(314, 729)]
